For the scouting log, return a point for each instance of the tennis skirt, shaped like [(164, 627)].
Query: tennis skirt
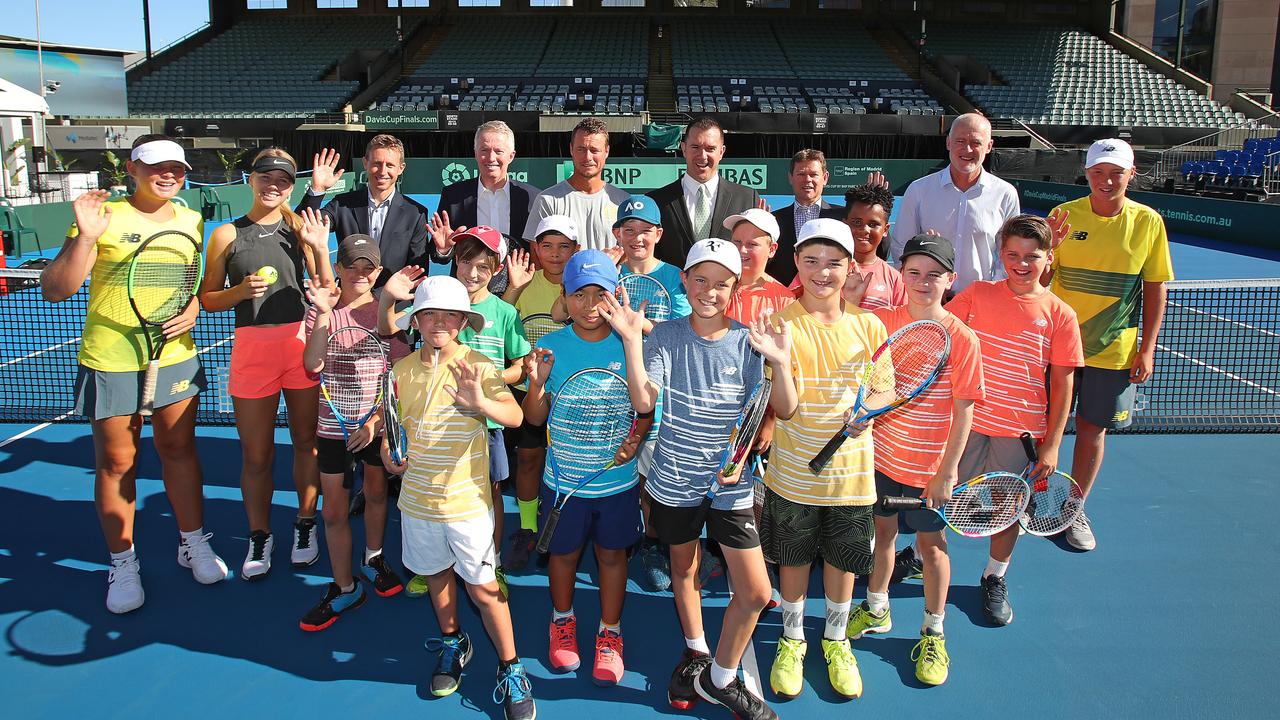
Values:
[(100, 394)]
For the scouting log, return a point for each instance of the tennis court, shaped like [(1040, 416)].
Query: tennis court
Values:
[(1164, 619)]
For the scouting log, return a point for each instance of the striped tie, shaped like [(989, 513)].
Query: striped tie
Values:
[(702, 214)]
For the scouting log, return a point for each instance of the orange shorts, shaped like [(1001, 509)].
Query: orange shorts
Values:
[(266, 360)]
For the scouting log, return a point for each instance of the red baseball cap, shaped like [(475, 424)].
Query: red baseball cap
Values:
[(488, 236)]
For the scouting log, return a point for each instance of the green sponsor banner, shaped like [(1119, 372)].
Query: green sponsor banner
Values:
[(845, 174), (401, 120), (428, 175)]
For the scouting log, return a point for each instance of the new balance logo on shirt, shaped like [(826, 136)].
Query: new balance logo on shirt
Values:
[(1080, 235)]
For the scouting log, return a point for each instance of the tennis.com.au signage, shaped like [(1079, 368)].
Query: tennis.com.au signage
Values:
[(401, 120), (645, 176)]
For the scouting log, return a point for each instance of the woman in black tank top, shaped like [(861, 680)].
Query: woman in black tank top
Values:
[(255, 265)]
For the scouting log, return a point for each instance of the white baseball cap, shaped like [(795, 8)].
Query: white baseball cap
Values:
[(159, 151), (718, 251), (826, 229), (562, 224), (1111, 150), (441, 292), (762, 219)]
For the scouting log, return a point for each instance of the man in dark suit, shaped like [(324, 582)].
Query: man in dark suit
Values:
[(808, 176), (398, 223), (694, 207), (494, 198)]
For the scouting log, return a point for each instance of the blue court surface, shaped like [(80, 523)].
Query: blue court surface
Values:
[(1165, 619)]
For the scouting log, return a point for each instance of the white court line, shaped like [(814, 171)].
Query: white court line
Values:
[(1218, 370), (38, 353), (1246, 326), (34, 429), (750, 668)]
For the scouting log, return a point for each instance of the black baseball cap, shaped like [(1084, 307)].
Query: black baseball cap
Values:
[(935, 246)]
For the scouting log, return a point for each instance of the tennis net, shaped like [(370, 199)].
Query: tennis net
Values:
[(1217, 362)]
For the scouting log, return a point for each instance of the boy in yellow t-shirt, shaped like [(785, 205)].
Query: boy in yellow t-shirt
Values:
[(447, 391), (1113, 261)]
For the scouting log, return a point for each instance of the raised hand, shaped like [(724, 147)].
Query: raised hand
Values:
[(469, 394), (323, 298), (93, 215), (855, 286), (403, 282), (519, 268), (325, 172), (315, 231), (540, 362), (628, 323), (877, 179), (1060, 223), (763, 205), (441, 232), (615, 253), (771, 340)]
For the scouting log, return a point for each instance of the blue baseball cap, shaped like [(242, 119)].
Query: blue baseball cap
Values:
[(639, 207), (590, 267)]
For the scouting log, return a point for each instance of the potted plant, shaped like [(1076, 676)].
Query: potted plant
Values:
[(14, 167), (113, 172), (230, 162)]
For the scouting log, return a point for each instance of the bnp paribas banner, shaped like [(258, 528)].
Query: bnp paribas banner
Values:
[(642, 175)]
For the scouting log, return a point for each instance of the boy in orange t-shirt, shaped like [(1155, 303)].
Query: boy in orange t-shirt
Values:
[(755, 233), (917, 454), (1027, 334)]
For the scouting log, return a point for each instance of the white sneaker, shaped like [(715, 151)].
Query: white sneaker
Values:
[(124, 586), (257, 562), (198, 554), (305, 548), (1080, 534)]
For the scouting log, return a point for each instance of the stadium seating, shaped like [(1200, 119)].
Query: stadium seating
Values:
[(1059, 75), (582, 47), (834, 49), (264, 67)]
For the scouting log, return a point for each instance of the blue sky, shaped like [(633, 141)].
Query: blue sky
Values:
[(115, 24)]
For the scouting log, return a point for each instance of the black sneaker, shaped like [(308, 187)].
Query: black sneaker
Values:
[(334, 604), (523, 544), (356, 506), (995, 600), (455, 653), (735, 697), (680, 691), (906, 565), (514, 693), (379, 572)]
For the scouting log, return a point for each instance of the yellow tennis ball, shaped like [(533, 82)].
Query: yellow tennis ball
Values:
[(268, 273)]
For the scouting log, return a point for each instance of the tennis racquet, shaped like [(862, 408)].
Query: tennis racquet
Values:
[(352, 380), (1055, 502), (163, 277), (644, 288), (538, 326), (591, 416), (743, 435), (397, 440), (980, 507), (903, 367)]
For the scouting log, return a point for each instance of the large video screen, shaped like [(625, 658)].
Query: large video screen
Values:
[(88, 84)]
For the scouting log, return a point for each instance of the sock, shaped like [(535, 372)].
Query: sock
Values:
[(721, 677), (528, 514), (117, 558), (557, 615), (699, 643), (190, 535), (504, 664), (615, 629), (932, 623), (301, 518), (877, 602), (371, 554), (837, 619), (793, 619), (348, 589), (995, 567)]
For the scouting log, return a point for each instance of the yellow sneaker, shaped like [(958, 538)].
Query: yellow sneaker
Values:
[(787, 676), (416, 587), (864, 622), (842, 668), (501, 577), (931, 659)]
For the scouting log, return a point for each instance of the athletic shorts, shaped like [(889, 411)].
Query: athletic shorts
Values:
[(984, 454), (1104, 397), (100, 394), (268, 359), (430, 547), (499, 468), (796, 535), (528, 436), (644, 460), (679, 525), (921, 520), (612, 522), (335, 459)]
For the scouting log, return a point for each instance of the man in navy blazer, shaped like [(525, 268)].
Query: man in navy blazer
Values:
[(398, 223), (494, 198), (808, 176)]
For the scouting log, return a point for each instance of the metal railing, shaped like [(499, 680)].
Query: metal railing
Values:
[(1205, 148)]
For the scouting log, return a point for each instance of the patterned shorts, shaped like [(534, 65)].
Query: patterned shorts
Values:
[(795, 534)]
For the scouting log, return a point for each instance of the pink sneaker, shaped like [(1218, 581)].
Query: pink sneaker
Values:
[(563, 655), (609, 669)]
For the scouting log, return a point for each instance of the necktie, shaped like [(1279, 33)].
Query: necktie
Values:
[(702, 214)]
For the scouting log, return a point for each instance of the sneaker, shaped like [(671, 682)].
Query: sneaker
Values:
[(995, 600), (680, 691), (563, 654), (124, 586), (305, 548), (455, 653), (608, 668), (775, 597), (335, 603), (198, 555), (842, 668), (787, 676), (710, 567), (657, 571), (906, 566), (380, 574), (864, 622), (930, 656), (417, 587), (735, 697), (514, 693), (1080, 534), (257, 562), (501, 577), (523, 544)]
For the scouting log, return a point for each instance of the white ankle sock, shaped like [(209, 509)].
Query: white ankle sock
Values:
[(557, 615), (721, 677), (995, 567), (615, 629), (699, 643), (877, 602), (189, 535), (117, 558), (793, 619), (932, 623), (371, 554), (837, 619)]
